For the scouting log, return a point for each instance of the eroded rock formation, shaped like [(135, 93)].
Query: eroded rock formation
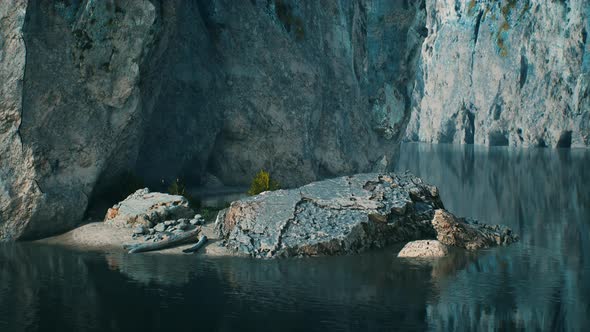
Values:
[(348, 215)]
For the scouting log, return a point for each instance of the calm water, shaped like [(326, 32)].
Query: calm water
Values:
[(541, 283)]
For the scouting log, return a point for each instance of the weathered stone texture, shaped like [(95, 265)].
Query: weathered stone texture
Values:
[(504, 73), (347, 215), (167, 89)]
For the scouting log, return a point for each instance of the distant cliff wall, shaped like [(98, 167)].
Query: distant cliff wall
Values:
[(504, 73)]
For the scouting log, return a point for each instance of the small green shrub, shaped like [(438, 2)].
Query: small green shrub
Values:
[(210, 213), (262, 182), (179, 188)]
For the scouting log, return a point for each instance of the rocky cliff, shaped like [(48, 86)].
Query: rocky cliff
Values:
[(97, 93), (504, 73), (92, 90)]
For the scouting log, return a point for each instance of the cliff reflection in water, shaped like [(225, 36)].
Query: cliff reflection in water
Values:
[(543, 194), (543, 282), (46, 287)]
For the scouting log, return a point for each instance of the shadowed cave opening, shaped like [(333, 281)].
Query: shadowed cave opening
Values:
[(498, 139), (565, 140)]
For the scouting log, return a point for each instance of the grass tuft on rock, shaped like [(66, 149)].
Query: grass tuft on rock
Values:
[(179, 188), (263, 182)]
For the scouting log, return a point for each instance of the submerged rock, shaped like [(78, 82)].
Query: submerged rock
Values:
[(342, 216), (147, 209), (424, 248)]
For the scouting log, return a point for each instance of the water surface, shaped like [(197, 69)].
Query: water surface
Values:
[(541, 283)]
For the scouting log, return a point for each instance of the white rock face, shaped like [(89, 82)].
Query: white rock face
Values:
[(504, 73), (423, 249), (69, 106), (19, 192)]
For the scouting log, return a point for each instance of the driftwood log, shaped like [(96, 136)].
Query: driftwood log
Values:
[(196, 247), (173, 240)]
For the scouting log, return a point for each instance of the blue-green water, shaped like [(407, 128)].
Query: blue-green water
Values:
[(541, 283)]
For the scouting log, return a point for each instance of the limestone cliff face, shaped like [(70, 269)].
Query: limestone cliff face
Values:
[(18, 190), (280, 85), (164, 89), (70, 108), (504, 73)]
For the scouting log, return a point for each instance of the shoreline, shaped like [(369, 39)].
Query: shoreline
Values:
[(101, 237)]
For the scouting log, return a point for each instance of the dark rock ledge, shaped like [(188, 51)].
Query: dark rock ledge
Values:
[(348, 215)]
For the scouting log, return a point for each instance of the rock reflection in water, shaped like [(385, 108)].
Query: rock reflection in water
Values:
[(540, 283), (93, 291), (544, 281)]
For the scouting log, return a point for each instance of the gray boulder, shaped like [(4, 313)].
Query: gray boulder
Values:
[(338, 216), (160, 227), (183, 225), (470, 235), (146, 208), (424, 249), (139, 230)]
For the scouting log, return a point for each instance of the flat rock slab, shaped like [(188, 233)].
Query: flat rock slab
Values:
[(148, 209), (337, 216), (340, 216), (424, 249)]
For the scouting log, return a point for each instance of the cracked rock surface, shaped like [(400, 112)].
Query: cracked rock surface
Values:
[(338, 216), (469, 234), (148, 209)]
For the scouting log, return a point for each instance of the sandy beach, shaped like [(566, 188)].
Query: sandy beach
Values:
[(102, 237)]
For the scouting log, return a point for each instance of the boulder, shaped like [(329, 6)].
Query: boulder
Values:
[(342, 216), (183, 225), (467, 234), (423, 249), (146, 208), (338, 216), (139, 230)]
